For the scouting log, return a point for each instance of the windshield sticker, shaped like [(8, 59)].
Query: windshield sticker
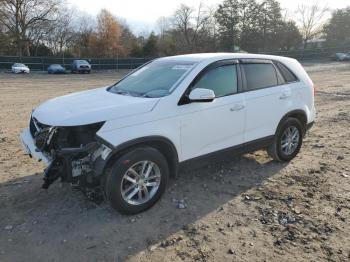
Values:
[(182, 67)]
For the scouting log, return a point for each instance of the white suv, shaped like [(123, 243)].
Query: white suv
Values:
[(130, 137)]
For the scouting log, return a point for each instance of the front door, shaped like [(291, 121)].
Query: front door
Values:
[(207, 127)]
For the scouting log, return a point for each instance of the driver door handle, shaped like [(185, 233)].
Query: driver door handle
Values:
[(237, 108)]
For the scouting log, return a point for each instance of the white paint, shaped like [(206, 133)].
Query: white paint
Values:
[(196, 128)]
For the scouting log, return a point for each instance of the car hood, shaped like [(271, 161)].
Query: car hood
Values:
[(89, 107)]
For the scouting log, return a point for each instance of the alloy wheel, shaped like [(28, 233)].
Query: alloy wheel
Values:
[(290, 140), (140, 182)]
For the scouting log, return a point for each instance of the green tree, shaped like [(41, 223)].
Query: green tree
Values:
[(338, 29), (249, 24), (271, 22), (150, 48), (227, 17), (288, 36), (254, 26), (127, 39)]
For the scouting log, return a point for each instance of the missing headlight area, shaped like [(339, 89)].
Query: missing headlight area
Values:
[(73, 152)]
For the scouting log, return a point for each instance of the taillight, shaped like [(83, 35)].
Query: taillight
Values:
[(313, 90)]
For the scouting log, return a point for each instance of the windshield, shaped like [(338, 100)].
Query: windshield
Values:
[(19, 65), (82, 62), (155, 79)]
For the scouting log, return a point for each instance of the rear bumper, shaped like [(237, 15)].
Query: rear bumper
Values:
[(29, 147)]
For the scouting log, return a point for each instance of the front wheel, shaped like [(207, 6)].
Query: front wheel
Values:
[(288, 140), (136, 180)]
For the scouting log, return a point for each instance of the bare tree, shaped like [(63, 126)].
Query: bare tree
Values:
[(311, 20), (39, 35), (213, 26), (190, 22), (162, 25), (22, 16), (84, 27), (63, 31)]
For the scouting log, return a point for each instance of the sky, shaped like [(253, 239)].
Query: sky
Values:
[(142, 15)]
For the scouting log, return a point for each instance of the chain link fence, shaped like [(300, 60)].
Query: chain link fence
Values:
[(313, 53), (41, 63)]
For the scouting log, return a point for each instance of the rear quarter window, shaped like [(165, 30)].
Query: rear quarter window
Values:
[(260, 75), (287, 74)]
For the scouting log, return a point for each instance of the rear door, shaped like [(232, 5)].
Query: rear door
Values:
[(267, 98)]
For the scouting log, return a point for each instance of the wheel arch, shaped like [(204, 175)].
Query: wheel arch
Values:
[(298, 114), (162, 144)]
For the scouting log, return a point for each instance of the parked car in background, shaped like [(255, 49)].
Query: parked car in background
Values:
[(81, 66), (341, 56), (56, 69), (18, 68), (130, 137)]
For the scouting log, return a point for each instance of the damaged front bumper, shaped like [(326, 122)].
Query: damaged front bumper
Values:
[(70, 163), (29, 147)]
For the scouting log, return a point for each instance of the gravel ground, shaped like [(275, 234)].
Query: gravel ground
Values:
[(246, 209)]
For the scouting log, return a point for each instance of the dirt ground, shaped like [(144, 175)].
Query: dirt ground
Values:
[(246, 209)]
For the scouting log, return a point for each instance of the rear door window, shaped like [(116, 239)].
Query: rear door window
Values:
[(259, 75)]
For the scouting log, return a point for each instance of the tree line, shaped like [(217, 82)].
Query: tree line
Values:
[(52, 28)]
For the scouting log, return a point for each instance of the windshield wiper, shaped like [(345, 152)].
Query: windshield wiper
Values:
[(122, 92)]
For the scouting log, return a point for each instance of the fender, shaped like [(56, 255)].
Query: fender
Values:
[(299, 114), (163, 144)]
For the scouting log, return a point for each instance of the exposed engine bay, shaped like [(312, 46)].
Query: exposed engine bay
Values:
[(74, 152)]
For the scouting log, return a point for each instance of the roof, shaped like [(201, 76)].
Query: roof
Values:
[(220, 56)]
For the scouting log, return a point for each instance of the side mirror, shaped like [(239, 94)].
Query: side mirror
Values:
[(202, 95)]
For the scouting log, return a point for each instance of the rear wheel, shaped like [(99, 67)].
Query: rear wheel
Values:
[(288, 140), (136, 180)]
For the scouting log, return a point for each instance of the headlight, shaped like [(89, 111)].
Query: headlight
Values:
[(77, 136)]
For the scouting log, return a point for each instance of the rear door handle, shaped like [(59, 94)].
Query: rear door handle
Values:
[(237, 108), (284, 96)]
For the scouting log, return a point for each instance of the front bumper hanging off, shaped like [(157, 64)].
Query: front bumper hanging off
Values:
[(28, 145), (60, 163)]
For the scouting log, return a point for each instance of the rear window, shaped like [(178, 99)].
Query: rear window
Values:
[(286, 73), (260, 75)]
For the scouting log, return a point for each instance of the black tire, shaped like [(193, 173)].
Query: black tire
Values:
[(275, 149), (112, 182)]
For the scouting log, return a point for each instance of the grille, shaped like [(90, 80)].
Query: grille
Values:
[(35, 126), (41, 139)]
